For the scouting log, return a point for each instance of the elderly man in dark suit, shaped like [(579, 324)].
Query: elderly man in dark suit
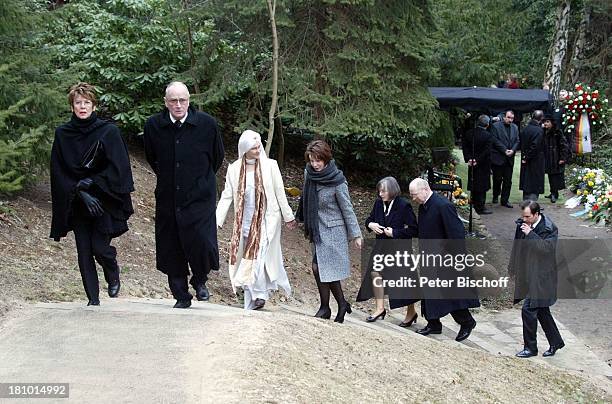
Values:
[(185, 150), (533, 265), (438, 220), (533, 161), (505, 143)]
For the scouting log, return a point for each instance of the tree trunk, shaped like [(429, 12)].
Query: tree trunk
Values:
[(272, 113), (579, 47), (278, 128), (558, 48), (192, 59)]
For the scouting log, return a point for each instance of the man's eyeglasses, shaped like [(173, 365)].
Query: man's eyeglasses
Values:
[(175, 101)]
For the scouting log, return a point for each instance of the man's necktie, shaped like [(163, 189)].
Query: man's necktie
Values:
[(178, 124)]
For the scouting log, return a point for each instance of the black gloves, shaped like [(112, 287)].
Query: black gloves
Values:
[(85, 183), (92, 203)]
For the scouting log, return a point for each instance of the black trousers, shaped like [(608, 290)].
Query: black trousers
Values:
[(531, 316), (556, 182), (478, 200), (502, 182), (180, 288), (94, 246), (463, 317)]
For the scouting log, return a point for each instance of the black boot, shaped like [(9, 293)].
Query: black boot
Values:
[(343, 306)]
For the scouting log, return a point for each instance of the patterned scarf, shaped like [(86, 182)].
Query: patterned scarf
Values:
[(252, 247)]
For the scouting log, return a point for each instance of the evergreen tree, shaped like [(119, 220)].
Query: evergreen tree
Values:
[(354, 72), (32, 95)]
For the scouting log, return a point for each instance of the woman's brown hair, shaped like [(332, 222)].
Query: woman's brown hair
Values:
[(319, 150), (85, 90)]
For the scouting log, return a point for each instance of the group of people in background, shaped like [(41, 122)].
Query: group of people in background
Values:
[(91, 182), (489, 150)]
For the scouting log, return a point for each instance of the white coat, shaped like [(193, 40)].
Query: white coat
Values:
[(277, 208)]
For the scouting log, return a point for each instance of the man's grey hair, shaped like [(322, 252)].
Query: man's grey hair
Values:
[(538, 114), (483, 121), (175, 83), (419, 184), (390, 185)]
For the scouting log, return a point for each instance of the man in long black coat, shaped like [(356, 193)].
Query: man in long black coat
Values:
[(532, 158), (438, 220), (505, 143), (185, 150), (477, 155), (533, 265)]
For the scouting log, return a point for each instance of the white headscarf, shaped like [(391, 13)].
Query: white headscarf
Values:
[(248, 140)]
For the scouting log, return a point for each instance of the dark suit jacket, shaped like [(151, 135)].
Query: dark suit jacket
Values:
[(437, 221), (533, 263), (502, 142), (401, 218)]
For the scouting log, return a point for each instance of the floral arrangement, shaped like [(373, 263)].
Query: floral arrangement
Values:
[(460, 198), (593, 188), (583, 99)]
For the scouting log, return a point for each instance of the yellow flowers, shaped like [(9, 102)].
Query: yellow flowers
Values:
[(591, 183)]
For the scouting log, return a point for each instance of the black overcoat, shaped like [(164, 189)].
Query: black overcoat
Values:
[(185, 161), (402, 220), (533, 264), (438, 220), (502, 141), (111, 175), (556, 149), (532, 152), (477, 146)]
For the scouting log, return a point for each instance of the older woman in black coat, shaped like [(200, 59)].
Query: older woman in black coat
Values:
[(91, 182), (391, 217)]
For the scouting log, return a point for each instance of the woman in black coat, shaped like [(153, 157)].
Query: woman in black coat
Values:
[(91, 182), (556, 153), (391, 217)]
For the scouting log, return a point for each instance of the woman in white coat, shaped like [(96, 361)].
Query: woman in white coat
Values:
[(255, 186)]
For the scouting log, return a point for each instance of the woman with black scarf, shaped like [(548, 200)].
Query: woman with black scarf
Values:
[(329, 224), (91, 182)]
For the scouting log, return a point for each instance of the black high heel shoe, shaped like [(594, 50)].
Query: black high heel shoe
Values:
[(342, 310), (406, 324), (324, 313), (381, 315)]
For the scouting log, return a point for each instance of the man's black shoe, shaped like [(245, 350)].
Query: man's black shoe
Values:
[(495, 200), (553, 199), (182, 304), (113, 288), (553, 349), (527, 353), (428, 330), (93, 303), (484, 211), (507, 205), (465, 332), (202, 292)]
